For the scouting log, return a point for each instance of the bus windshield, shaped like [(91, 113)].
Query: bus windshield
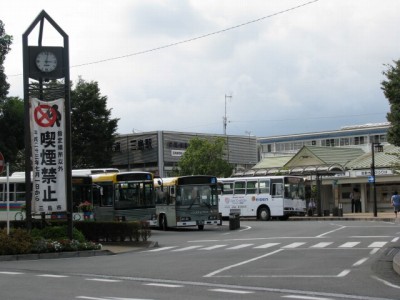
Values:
[(203, 195), (294, 188), (133, 195)]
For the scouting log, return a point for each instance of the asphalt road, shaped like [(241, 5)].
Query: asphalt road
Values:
[(315, 260)]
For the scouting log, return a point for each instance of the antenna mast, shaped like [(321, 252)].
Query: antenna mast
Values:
[(225, 119)]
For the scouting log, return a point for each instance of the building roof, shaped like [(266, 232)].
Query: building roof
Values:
[(313, 155), (272, 162), (309, 160), (383, 159)]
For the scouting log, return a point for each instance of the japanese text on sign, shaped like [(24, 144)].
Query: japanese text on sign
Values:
[(47, 133)]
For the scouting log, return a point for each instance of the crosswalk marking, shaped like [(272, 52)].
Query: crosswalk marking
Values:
[(212, 247), (265, 246), (349, 245), (187, 248), (319, 245), (377, 245), (293, 245), (161, 249), (322, 245), (52, 276), (240, 246)]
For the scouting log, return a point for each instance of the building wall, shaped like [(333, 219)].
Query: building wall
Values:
[(160, 151), (350, 136)]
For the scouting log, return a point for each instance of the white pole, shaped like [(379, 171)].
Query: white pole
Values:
[(8, 197)]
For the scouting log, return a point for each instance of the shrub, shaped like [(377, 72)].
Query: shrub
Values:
[(57, 233), (18, 242)]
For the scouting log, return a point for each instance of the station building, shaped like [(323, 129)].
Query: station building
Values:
[(337, 161), (160, 151)]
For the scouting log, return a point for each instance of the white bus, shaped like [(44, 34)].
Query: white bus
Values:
[(262, 197), (187, 201)]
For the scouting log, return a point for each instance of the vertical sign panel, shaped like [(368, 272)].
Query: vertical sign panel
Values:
[(48, 155)]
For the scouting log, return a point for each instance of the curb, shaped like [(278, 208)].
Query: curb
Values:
[(53, 255)]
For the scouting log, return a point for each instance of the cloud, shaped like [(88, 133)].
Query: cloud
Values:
[(314, 68)]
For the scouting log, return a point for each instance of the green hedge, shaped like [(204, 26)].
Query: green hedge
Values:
[(91, 230), (114, 231)]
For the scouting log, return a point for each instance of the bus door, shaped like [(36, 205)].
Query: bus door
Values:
[(277, 192), (165, 205)]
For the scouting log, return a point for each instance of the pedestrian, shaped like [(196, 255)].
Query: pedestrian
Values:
[(311, 207), (357, 200), (396, 202), (352, 201)]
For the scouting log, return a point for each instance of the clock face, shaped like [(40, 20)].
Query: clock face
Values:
[(46, 61)]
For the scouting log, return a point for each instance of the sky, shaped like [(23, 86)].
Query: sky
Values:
[(271, 67)]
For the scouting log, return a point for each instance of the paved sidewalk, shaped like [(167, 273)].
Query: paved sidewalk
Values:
[(381, 216)]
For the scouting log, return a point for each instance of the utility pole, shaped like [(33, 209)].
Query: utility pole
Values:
[(225, 119)]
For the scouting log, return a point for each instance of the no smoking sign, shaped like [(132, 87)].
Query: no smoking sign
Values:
[(45, 115)]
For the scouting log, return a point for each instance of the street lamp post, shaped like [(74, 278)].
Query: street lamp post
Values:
[(379, 148)]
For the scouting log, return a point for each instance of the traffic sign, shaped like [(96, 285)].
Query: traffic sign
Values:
[(371, 178), (2, 163)]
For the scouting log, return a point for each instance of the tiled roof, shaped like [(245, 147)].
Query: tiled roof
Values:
[(324, 156), (382, 159), (272, 162)]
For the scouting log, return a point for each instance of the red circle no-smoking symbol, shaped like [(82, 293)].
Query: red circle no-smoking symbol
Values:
[(45, 115)]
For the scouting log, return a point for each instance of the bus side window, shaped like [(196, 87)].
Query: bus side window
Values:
[(263, 187), (240, 187), (251, 187), (277, 189), (227, 188)]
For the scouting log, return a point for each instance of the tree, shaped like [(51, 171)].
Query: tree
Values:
[(92, 129), (5, 43), (391, 89), (205, 157), (12, 131)]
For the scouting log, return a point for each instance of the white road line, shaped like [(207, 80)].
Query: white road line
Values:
[(343, 273), (373, 251), (340, 228), (160, 249), (377, 244), (386, 282), (89, 298), (321, 245), (293, 245), (11, 273), (395, 240), (52, 276), (103, 280), (240, 246), (305, 297), (349, 245), (360, 262), (241, 263), (268, 245), (212, 247), (187, 248), (164, 285), (231, 291), (108, 298)]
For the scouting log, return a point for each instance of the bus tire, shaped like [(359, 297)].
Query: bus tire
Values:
[(264, 214), (201, 227), (163, 223)]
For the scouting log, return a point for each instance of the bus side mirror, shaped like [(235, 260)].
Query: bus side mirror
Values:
[(160, 183)]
